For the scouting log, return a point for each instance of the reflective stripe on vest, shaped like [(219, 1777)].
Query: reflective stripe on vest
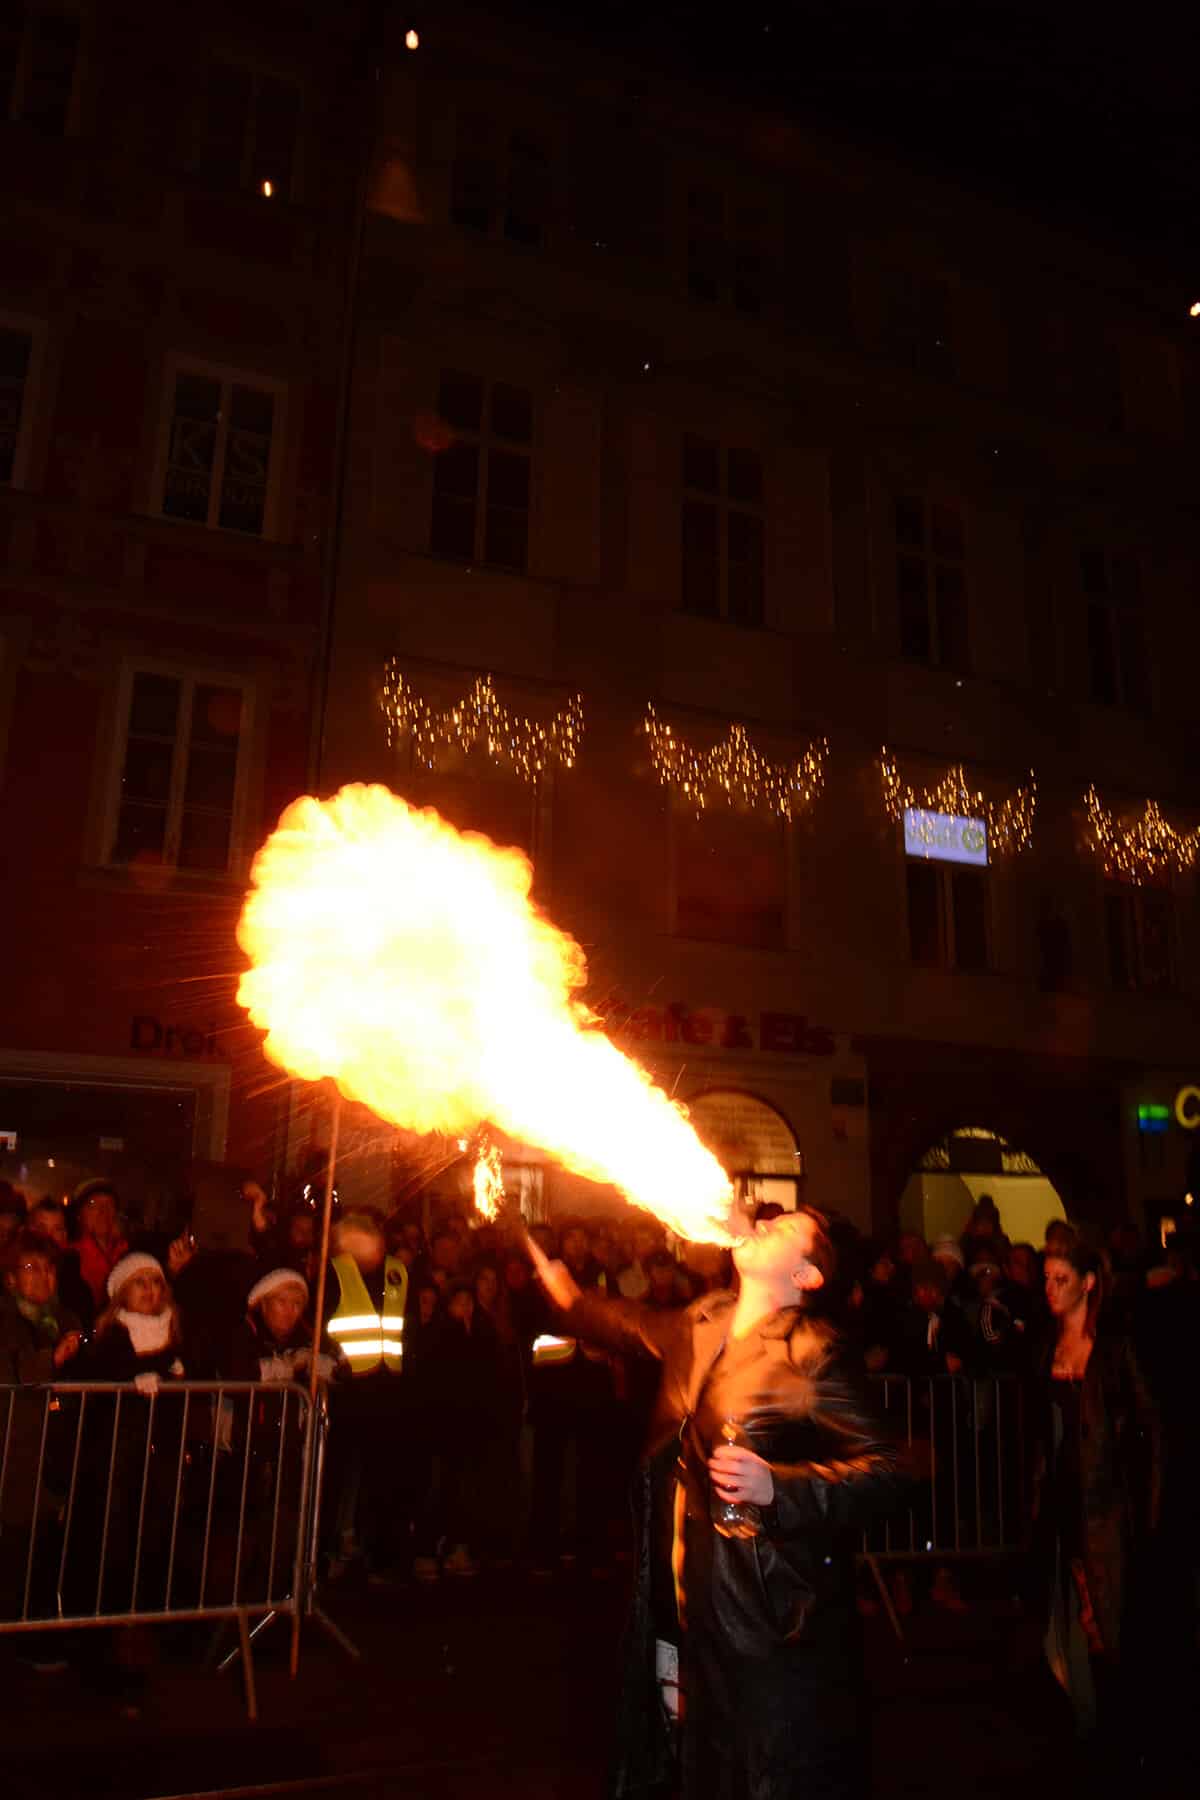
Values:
[(548, 1350), (367, 1337)]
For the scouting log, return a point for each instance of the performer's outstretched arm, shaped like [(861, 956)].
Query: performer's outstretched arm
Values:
[(860, 1474), (618, 1324)]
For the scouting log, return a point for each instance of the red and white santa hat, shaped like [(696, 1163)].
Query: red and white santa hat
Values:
[(270, 1284), (136, 1263)]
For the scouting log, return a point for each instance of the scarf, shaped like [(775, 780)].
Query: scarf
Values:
[(96, 1264), (148, 1332), (44, 1319)]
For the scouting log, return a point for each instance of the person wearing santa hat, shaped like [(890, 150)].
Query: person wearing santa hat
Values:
[(139, 1335), (274, 1340)]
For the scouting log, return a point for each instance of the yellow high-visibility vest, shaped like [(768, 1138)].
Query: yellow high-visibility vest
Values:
[(369, 1337)]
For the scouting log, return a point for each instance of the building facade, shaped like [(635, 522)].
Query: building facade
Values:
[(177, 225), (677, 407)]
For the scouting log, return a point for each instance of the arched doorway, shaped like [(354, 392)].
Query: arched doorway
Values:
[(753, 1142), (966, 1164)]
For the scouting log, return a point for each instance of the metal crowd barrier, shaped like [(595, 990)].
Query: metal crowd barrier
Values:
[(966, 1442), (119, 1507), (965, 1436)]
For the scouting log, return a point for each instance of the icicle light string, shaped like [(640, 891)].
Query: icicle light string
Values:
[(733, 773), (528, 746), (1139, 850), (1009, 824)]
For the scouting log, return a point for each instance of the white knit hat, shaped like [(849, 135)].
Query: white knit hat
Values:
[(269, 1284), (129, 1266)]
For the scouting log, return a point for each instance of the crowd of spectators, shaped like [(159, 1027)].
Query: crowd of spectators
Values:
[(464, 1428)]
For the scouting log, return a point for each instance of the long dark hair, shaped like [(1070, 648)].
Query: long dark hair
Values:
[(1086, 1261)]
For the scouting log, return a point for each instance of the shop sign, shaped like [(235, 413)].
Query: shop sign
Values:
[(150, 1036), (777, 1033), (945, 837), (1187, 1107)]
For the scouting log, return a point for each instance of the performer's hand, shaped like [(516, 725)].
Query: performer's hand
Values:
[(555, 1277), (738, 1474)]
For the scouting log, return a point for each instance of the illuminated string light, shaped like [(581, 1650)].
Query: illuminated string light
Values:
[(268, 188), (412, 40), (1139, 850), (478, 719), (733, 773), (1009, 824)]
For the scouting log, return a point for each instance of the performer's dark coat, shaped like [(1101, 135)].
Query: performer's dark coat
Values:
[(1120, 1468), (772, 1673)]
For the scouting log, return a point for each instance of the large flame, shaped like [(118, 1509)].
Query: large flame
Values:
[(408, 962), (487, 1181)]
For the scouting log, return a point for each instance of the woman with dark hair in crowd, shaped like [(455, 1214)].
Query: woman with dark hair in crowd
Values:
[(49, 1219), (39, 1340), (1096, 1473), (100, 1241)]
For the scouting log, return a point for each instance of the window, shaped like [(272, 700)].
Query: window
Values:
[(723, 533), (39, 62), (617, 189), (249, 129), (479, 797), (1116, 629), (501, 184), (931, 582), (947, 915), (17, 352), (726, 254), (219, 456), (1140, 933), (917, 323), (481, 482), (182, 750), (731, 879), (1055, 961)]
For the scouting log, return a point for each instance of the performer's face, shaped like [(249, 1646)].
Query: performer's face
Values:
[(778, 1252)]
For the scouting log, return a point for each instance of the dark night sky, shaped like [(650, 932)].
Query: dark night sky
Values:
[(1088, 115)]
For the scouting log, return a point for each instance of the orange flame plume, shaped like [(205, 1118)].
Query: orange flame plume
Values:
[(408, 962), (488, 1179)]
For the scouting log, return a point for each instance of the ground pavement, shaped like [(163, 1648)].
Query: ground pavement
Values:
[(500, 1687)]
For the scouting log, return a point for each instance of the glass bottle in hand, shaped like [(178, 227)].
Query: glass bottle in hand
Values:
[(734, 1518)]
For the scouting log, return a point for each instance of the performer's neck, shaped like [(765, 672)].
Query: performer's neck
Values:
[(756, 1301)]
